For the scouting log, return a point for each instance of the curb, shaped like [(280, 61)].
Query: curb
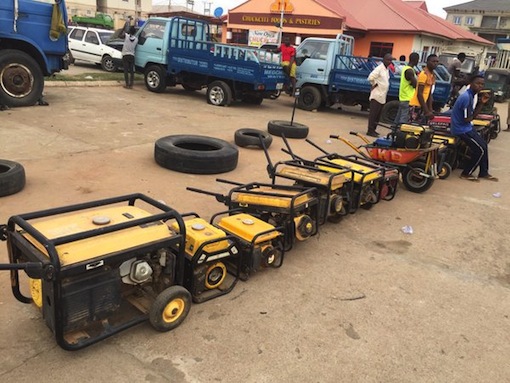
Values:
[(90, 84)]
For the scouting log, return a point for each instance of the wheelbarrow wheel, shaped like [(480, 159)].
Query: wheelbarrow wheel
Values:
[(413, 180), (445, 171), (170, 308)]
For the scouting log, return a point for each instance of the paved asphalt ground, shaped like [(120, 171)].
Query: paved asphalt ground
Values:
[(360, 302)]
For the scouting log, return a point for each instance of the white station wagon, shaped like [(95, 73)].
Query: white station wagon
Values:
[(89, 44)]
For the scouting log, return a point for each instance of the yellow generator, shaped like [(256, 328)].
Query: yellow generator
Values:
[(208, 251), (294, 208), (410, 136), (262, 245), (98, 268)]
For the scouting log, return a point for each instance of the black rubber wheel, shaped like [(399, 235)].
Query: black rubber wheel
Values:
[(12, 177), (309, 98), (108, 64), (219, 93), (21, 79), (170, 308), (155, 78), (251, 137), (415, 182), (296, 130), (275, 94), (196, 154), (445, 171), (389, 112)]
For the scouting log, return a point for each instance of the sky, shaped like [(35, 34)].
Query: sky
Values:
[(434, 6)]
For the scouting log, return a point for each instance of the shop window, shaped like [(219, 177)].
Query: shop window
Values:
[(378, 49)]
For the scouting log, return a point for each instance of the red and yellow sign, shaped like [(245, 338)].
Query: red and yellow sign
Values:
[(276, 7)]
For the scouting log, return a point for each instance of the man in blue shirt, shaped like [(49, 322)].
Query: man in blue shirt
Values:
[(462, 126)]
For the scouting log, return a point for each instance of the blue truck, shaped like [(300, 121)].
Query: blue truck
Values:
[(33, 44), (328, 73), (179, 51)]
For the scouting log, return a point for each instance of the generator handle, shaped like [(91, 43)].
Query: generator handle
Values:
[(219, 197), (229, 182), (3, 232), (316, 146), (289, 149), (35, 270), (294, 156)]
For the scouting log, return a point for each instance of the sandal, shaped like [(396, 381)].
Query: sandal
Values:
[(488, 177), (469, 178)]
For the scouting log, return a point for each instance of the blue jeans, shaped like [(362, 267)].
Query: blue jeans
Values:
[(479, 154), (402, 116)]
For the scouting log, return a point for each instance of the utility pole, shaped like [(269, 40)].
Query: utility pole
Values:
[(282, 12)]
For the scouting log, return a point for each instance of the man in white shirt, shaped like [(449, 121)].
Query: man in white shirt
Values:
[(379, 79)]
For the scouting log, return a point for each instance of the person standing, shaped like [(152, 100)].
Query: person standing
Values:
[(288, 61), (407, 88), (508, 119), (463, 114), (379, 80), (128, 57), (421, 110)]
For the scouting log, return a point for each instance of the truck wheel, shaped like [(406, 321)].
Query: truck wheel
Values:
[(12, 177), (219, 93), (251, 137), (296, 130), (170, 308), (155, 78), (21, 79), (196, 154), (107, 64), (415, 182), (389, 112), (309, 98)]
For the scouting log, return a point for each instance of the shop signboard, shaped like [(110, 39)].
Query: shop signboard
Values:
[(258, 37)]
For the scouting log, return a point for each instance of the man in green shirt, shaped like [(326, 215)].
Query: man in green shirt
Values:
[(406, 90)]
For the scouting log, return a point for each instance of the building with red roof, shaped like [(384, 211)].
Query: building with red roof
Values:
[(378, 26)]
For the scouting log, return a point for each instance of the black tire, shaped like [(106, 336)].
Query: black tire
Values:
[(195, 154), (445, 171), (219, 93), (415, 182), (108, 64), (155, 78), (12, 177), (275, 94), (21, 79), (170, 308), (309, 98), (389, 112), (296, 130), (69, 57), (250, 137)]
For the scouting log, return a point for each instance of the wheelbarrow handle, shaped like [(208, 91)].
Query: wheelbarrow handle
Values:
[(334, 136)]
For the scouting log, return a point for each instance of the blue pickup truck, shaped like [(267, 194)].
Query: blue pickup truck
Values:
[(33, 44), (179, 51), (328, 73)]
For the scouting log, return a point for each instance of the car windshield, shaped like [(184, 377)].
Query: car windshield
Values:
[(105, 36)]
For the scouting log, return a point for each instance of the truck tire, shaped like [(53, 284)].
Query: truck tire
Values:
[(107, 64), (12, 177), (155, 78), (251, 137), (219, 93), (389, 112), (296, 130), (195, 154), (309, 98), (21, 79)]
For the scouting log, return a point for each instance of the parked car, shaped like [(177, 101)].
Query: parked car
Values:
[(89, 44)]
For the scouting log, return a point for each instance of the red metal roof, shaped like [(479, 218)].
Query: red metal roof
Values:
[(396, 16)]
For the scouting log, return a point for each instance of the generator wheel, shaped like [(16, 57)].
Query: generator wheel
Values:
[(296, 130), (170, 308), (413, 180), (195, 154), (251, 137), (445, 171), (12, 177)]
